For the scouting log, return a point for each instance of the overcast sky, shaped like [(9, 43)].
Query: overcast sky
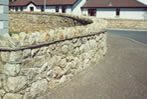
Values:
[(143, 1)]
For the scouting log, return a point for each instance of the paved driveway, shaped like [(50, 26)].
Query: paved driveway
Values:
[(121, 75)]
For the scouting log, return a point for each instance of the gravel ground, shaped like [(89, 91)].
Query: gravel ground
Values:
[(120, 75)]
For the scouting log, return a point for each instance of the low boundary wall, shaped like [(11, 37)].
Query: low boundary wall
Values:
[(32, 64)]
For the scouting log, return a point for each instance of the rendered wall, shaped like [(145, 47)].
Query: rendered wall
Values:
[(3, 17), (125, 13), (136, 13)]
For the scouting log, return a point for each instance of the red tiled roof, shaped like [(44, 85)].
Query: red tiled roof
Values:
[(41, 2), (113, 3)]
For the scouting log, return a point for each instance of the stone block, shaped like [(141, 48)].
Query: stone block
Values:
[(1, 67), (37, 89), (27, 53), (30, 73), (16, 84), (15, 57), (2, 92), (5, 56), (12, 96), (11, 69)]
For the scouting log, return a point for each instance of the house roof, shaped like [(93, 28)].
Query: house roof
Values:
[(41, 2), (113, 4)]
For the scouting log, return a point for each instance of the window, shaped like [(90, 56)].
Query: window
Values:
[(31, 8), (145, 9), (117, 12), (92, 12), (63, 9), (21, 8), (42, 9), (57, 8), (16, 8)]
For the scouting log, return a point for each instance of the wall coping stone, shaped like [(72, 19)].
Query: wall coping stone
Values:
[(45, 44)]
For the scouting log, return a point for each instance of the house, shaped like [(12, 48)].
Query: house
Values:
[(3, 17), (64, 6), (124, 9)]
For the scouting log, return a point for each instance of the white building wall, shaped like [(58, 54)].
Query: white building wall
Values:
[(50, 9), (36, 9), (85, 12), (106, 13), (125, 13), (68, 9), (133, 13), (60, 9), (12, 9), (76, 9)]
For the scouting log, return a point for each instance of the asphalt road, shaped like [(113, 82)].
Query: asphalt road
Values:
[(122, 74), (140, 36)]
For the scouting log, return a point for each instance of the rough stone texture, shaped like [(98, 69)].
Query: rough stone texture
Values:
[(5, 56), (26, 53), (2, 92), (16, 84), (0, 84), (15, 57), (1, 67), (11, 69), (40, 61), (37, 89), (127, 24), (12, 96)]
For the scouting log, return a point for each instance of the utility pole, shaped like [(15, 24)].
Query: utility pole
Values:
[(44, 5)]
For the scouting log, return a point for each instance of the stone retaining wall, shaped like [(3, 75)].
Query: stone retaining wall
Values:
[(32, 64), (127, 24)]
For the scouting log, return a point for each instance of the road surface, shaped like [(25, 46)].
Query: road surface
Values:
[(140, 36)]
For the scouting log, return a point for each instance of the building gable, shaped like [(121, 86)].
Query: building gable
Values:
[(31, 2)]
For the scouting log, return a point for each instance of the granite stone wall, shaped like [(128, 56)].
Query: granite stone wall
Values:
[(32, 64)]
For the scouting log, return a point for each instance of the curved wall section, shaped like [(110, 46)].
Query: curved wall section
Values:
[(32, 64)]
